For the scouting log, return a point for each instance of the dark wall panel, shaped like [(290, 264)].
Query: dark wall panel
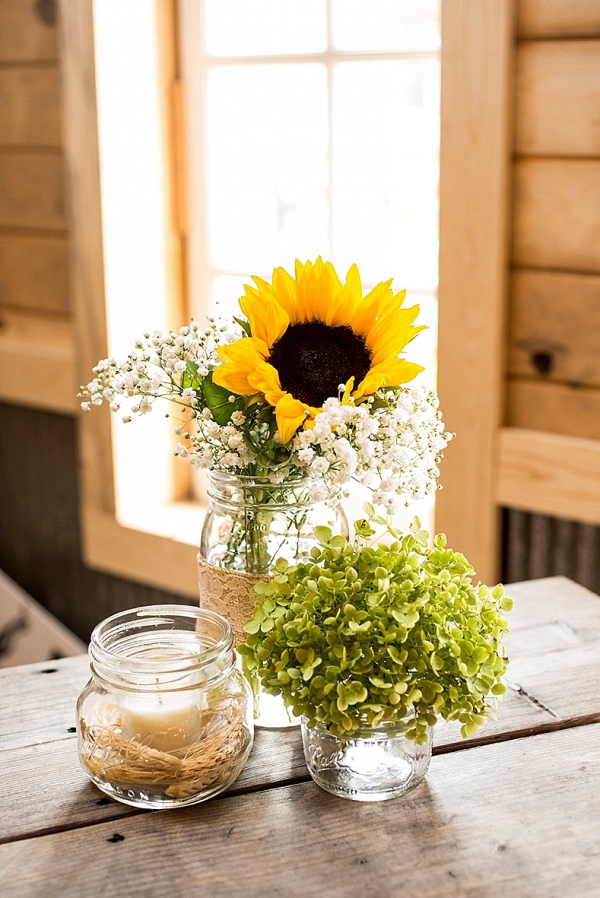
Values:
[(539, 546), (40, 541)]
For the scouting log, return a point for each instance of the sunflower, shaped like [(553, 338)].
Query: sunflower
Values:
[(311, 334)]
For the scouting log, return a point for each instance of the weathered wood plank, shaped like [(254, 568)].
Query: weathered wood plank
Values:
[(554, 408), (555, 627), (557, 214), (520, 817), (78, 78), (476, 130), (29, 107), (554, 326), (44, 345), (27, 30), (558, 93), (558, 18), (32, 190), (34, 272), (37, 701), (549, 474)]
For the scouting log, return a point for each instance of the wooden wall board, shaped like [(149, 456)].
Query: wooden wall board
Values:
[(549, 474), (44, 346), (27, 30), (78, 79), (558, 96), (299, 834), (554, 408), (34, 272), (477, 62), (554, 326), (32, 190), (29, 106), (135, 554), (559, 18), (557, 214)]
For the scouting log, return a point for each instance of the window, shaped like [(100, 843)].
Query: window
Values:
[(313, 129)]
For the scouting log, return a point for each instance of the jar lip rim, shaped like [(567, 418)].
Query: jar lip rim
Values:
[(384, 726), (144, 614), (296, 480)]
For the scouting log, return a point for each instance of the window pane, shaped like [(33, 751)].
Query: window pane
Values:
[(224, 294), (385, 170), (264, 27), (380, 25), (267, 166)]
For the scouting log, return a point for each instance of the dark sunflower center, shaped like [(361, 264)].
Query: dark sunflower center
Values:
[(313, 359)]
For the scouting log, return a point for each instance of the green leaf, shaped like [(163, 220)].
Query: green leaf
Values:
[(323, 535), (245, 325), (217, 400)]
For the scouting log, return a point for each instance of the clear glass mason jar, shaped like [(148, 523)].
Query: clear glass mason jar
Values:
[(375, 764), (166, 718), (250, 523)]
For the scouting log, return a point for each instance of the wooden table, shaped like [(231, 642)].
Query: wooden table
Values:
[(514, 811)]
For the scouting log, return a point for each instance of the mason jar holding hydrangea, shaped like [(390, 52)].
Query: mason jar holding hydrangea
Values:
[(299, 395)]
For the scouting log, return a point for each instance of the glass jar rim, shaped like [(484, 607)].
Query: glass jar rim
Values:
[(112, 631), (238, 490), (365, 730)]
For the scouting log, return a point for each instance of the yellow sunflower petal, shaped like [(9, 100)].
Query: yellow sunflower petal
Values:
[(289, 414), (391, 374), (268, 320), (265, 379), (368, 307), (285, 289), (240, 359), (318, 285)]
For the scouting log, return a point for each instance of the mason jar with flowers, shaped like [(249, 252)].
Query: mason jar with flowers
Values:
[(283, 406), (371, 644)]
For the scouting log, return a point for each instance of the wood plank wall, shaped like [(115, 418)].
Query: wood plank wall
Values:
[(554, 315), (554, 333), (33, 237)]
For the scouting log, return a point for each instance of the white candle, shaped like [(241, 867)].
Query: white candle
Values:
[(165, 721)]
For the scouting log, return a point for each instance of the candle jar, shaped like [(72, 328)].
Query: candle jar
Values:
[(166, 718)]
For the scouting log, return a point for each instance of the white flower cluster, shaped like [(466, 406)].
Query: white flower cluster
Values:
[(153, 370), (390, 443)]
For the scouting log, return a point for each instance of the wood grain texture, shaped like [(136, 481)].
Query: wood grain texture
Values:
[(555, 626), (42, 344), (27, 30), (168, 564), (85, 229), (557, 214), (34, 272), (477, 43), (558, 95), (550, 474), (554, 408), (558, 316), (29, 108), (529, 831), (559, 18), (32, 190), (571, 548)]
